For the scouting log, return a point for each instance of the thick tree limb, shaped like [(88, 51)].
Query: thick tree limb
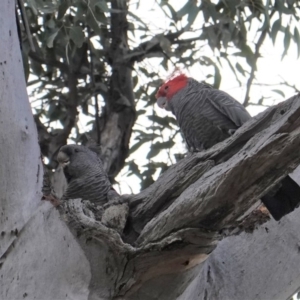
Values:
[(131, 266), (258, 265), (214, 191)]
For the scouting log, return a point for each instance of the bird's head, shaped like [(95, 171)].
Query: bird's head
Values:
[(169, 89), (76, 160)]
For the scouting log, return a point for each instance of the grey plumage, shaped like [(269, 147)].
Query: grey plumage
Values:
[(205, 115), (85, 175)]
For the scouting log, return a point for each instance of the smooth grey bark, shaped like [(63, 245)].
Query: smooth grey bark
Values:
[(39, 257), (20, 167), (179, 241), (263, 265), (260, 265)]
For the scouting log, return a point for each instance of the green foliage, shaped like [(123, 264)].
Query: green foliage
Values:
[(72, 61)]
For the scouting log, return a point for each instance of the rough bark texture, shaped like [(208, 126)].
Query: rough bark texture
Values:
[(259, 265), (179, 242), (258, 164), (172, 230)]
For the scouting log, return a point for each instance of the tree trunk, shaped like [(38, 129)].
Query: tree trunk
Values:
[(39, 257), (185, 238)]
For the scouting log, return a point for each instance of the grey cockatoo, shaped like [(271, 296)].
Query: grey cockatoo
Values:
[(85, 175), (87, 180), (207, 116)]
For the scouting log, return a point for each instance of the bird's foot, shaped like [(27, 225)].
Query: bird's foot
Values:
[(52, 199)]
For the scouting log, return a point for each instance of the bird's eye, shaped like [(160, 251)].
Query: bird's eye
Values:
[(166, 87), (76, 150)]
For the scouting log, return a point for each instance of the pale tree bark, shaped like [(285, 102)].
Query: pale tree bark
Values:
[(194, 234), (39, 258)]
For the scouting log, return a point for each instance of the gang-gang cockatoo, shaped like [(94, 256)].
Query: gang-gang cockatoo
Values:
[(88, 180), (207, 116)]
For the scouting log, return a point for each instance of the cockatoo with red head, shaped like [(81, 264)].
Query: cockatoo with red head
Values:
[(207, 116)]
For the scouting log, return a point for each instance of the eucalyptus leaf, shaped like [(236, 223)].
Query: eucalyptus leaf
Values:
[(240, 68), (185, 9), (102, 5), (93, 22), (62, 9), (161, 121), (217, 78), (286, 41), (51, 39), (281, 93), (275, 28), (77, 36), (296, 38), (153, 152)]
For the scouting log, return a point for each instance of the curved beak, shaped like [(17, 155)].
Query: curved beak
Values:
[(63, 158), (162, 102)]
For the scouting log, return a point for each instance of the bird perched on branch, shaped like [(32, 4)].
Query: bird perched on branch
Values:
[(207, 116), (87, 180), (85, 175)]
